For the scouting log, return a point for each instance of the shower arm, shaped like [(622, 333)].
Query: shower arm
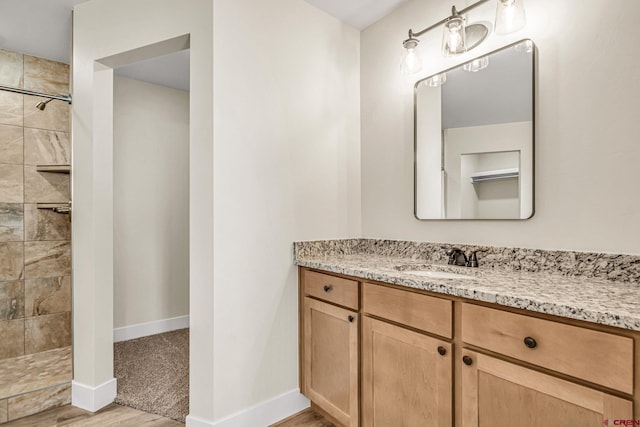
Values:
[(66, 99)]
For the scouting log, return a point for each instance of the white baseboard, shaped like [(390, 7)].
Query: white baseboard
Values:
[(192, 421), (262, 414), (93, 398), (151, 328)]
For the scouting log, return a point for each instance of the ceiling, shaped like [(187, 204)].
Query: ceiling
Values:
[(357, 13), (37, 27), (43, 28)]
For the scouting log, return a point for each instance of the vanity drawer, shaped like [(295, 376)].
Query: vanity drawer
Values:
[(330, 288), (418, 311), (593, 356)]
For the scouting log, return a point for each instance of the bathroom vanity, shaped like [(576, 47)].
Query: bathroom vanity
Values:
[(382, 344)]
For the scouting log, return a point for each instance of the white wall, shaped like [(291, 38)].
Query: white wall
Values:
[(150, 201), (108, 34), (586, 127), (286, 167), (287, 156)]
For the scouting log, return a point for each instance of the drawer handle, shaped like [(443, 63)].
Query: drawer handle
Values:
[(530, 342), (442, 351), (467, 360), (351, 319), (327, 288)]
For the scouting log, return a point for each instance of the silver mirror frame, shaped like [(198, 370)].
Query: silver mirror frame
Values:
[(534, 54)]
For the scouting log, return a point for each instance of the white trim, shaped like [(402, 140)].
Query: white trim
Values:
[(93, 398), (151, 328), (264, 413), (192, 421)]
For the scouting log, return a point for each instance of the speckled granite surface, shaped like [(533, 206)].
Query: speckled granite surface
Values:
[(565, 284), (624, 268)]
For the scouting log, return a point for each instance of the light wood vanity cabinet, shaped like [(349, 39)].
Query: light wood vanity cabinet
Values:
[(593, 356), (499, 393), (413, 358), (330, 345), (412, 309), (406, 377)]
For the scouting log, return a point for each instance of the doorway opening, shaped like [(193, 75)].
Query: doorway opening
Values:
[(151, 234)]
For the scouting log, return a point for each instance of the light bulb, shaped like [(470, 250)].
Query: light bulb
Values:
[(411, 62), (510, 16), (454, 38), (477, 64)]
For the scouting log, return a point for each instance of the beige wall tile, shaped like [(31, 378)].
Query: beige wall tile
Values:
[(38, 401), (11, 222), (12, 333), (45, 187), (11, 183), (47, 296), (11, 144), (3, 411), (44, 147), (45, 224), (47, 332), (34, 371), (54, 117), (47, 259), (43, 75), (11, 71), (11, 108), (12, 300), (11, 261)]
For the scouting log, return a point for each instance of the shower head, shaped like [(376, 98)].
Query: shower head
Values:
[(43, 104)]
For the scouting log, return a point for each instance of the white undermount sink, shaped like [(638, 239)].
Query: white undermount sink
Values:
[(438, 274)]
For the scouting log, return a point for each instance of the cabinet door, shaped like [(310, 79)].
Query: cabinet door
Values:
[(496, 393), (331, 359), (406, 377)]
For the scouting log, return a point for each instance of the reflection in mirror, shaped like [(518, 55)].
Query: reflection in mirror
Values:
[(474, 138)]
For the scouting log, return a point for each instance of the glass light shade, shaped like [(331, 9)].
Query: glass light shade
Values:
[(454, 39), (437, 80), (411, 62), (477, 64), (510, 16)]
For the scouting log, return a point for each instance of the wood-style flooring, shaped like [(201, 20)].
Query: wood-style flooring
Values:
[(306, 418), (122, 416), (112, 415)]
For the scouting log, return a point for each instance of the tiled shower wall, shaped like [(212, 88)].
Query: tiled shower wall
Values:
[(35, 247)]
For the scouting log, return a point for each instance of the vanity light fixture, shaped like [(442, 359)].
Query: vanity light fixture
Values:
[(411, 62), (510, 16), (454, 40), (459, 37)]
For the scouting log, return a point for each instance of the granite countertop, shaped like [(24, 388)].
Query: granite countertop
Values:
[(595, 300)]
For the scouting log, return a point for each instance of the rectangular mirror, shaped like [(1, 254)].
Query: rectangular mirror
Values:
[(474, 138)]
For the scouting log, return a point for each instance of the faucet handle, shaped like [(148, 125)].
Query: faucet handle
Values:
[(473, 258)]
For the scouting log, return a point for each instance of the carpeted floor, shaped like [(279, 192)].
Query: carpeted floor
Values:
[(153, 374)]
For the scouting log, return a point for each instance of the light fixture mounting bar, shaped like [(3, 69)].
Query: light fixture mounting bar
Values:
[(439, 23)]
